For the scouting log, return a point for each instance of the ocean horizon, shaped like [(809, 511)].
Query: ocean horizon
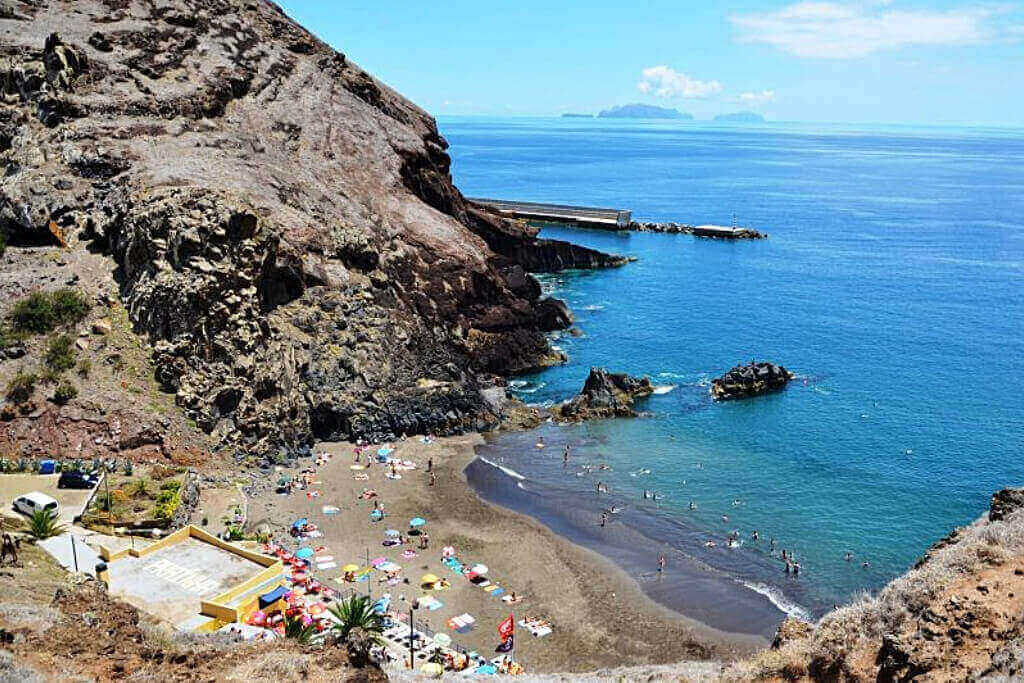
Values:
[(888, 285)]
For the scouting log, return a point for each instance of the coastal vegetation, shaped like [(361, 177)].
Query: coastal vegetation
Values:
[(42, 312), (43, 525)]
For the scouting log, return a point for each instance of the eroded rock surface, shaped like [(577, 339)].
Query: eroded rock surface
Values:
[(286, 233), (605, 394)]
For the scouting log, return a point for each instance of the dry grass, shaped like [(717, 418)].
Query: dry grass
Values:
[(860, 625)]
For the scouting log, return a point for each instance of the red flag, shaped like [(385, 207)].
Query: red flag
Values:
[(506, 628)]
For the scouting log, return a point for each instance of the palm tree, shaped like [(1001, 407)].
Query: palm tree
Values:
[(42, 525), (358, 626), (298, 630)]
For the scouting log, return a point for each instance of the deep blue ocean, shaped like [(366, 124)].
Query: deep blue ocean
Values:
[(891, 284)]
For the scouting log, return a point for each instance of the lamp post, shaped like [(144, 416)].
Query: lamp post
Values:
[(412, 636)]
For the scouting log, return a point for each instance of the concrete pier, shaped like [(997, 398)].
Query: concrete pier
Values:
[(584, 216)]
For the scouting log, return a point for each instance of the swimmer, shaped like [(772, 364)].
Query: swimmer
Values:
[(645, 494), (709, 544), (725, 518), (865, 564), (604, 518), (796, 569), (737, 503), (540, 442), (565, 455), (693, 506), (754, 536), (848, 556)]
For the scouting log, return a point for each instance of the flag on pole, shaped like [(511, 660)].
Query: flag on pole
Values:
[(506, 628)]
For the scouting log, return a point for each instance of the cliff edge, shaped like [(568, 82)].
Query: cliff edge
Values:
[(278, 230)]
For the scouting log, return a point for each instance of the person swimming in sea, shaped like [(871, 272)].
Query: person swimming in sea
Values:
[(565, 455), (645, 494), (848, 556), (754, 535), (693, 506), (796, 569), (725, 518), (540, 442)]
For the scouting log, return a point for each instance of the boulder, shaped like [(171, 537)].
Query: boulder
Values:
[(553, 314)]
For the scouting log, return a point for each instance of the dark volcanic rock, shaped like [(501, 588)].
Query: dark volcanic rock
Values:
[(1004, 502), (605, 394), (754, 379), (285, 228), (553, 314)]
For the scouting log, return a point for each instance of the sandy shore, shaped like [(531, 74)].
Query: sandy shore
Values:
[(601, 618)]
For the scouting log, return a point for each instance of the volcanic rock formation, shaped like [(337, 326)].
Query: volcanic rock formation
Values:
[(744, 381), (604, 394), (286, 234)]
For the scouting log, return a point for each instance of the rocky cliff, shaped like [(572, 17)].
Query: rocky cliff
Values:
[(282, 230)]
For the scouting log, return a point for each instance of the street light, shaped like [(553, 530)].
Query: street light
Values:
[(412, 634)]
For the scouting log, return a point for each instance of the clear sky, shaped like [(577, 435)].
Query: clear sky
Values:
[(885, 61)]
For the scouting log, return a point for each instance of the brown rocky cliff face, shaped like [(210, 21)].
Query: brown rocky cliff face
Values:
[(287, 233)]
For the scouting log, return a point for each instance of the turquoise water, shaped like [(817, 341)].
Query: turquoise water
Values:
[(891, 284)]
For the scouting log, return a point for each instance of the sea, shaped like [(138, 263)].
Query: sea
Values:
[(891, 284)]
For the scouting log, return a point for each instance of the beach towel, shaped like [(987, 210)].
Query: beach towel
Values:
[(331, 510), (324, 558), (326, 565)]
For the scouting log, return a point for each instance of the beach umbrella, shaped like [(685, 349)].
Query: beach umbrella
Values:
[(486, 669), (377, 561), (391, 533), (304, 553), (389, 567), (300, 523), (479, 569), (429, 578), (443, 639), (350, 568), (417, 521)]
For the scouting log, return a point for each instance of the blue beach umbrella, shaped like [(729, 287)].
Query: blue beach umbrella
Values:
[(304, 553), (417, 521), (300, 523)]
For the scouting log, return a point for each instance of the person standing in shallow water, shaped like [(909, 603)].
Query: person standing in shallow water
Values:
[(661, 563)]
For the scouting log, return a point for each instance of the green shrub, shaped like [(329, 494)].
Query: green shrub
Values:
[(60, 353), (21, 386), (42, 312), (84, 367), (43, 525), (170, 486), (64, 392), (49, 375)]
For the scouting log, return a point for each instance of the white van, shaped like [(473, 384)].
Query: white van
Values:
[(31, 503)]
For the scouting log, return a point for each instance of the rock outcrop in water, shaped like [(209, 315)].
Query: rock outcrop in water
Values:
[(604, 394), (282, 229), (744, 381)]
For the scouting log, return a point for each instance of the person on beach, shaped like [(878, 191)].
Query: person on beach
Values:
[(433, 478), (661, 563), (430, 464)]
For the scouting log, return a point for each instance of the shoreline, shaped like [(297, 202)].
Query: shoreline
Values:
[(601, 616), (688, 587)]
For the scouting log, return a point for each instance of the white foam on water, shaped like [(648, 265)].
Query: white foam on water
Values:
[(777, 598), (522, 389), (592, 307), (663, 389), (510, 472)]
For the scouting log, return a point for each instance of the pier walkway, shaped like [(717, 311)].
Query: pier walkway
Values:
[(586, 216)]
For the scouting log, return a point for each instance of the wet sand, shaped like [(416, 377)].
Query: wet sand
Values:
[(601, 617)]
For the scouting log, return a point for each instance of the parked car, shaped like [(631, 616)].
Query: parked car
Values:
[(74, 479), (31, 503)]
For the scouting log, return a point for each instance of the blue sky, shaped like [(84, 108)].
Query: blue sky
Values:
[(885, 61)]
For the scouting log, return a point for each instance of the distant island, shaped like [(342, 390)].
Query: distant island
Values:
[(643, 111), (740, 117), (577, 116)]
